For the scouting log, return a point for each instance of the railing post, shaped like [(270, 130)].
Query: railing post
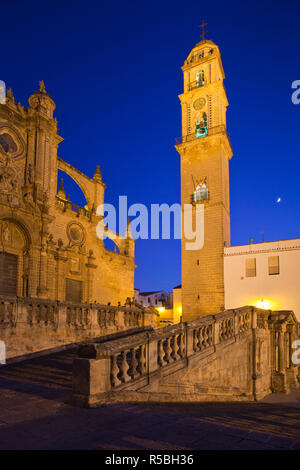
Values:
[(91, 381), (152, 354), (216, 332), (94, 317), (120, 319), (189, 341)]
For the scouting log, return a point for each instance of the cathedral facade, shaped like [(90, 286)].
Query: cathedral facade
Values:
[(48, 246)]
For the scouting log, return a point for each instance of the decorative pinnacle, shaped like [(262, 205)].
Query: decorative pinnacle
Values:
[(98, 174), (61, 192), (42, 86), (10, 94)]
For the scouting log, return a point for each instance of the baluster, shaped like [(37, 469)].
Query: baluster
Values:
[(124, 368), (38, 313), (205, 337), (210, 335), (181, 345), (29, 314), (142, 359), (102, 318), (201, 338), (221, 331), (114, 372), (134, 363), (2, 313), (168, 357), (175, 353), (160, 353), (195, 340)]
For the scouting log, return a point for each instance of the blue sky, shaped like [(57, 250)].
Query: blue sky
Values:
[(114, 71)]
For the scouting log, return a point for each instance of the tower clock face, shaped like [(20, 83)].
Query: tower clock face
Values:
[(199, 103)]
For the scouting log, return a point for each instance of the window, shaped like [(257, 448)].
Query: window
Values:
[(8, 274), (273, 262), (251, 267), (73, 290), (201, 192)]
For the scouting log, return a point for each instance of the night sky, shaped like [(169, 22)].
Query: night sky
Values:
[(114, 71)]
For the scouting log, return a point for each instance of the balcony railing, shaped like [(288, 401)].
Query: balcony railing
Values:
[(69, 205), (201, 196), (196, 84), (210, 131)]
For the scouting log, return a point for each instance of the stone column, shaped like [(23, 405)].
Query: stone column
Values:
[(279, 378), (34, 271), (291, 371), (90, 277), (281, 350), (60, 273)]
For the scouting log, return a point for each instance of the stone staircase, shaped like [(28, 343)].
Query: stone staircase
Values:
[(241, 354)]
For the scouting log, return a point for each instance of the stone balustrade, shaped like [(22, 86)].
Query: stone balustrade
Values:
[(30, 324), (161, 363)]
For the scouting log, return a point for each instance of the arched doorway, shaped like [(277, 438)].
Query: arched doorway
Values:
[(14, 259)]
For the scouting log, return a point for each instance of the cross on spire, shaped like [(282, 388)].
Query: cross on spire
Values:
[(202, 35)]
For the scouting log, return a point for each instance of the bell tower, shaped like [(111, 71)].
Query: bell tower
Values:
[(204, 150)]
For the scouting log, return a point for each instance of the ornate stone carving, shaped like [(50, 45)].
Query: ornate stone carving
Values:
[(75, 233), (9, 185), (11, 143)]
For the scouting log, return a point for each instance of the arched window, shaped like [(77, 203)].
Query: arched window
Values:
[(197, 193), (201, 192), (200, 79), (204, 192)]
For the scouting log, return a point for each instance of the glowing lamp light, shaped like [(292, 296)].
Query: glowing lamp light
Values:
[(263, 303), (160, 309)]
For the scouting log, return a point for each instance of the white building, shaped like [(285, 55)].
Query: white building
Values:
[(157, 299), (266, 275)]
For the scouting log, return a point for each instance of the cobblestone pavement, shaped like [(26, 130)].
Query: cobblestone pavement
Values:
[(33, 415)]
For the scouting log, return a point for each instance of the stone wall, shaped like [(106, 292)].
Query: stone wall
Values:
[(31, 325), (241, 354)]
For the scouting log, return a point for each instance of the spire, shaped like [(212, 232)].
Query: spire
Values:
[(98, 174), (10, 96), (42, 87), (61, 192)]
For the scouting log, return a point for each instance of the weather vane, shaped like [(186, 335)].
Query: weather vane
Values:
[(202, 35)]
